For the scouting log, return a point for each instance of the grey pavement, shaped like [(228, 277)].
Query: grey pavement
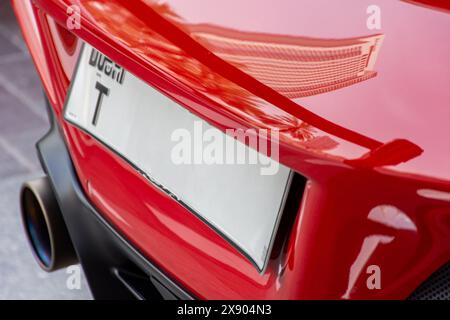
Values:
[(22, 122)]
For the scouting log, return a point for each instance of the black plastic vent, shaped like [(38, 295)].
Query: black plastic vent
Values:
[(436, 287)]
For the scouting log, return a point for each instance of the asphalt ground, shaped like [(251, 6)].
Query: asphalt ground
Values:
[(23, 121)]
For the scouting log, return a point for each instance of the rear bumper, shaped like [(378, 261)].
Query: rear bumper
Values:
[(113, 267)]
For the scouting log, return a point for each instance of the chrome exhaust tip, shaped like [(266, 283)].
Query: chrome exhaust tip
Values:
[(45, 227)]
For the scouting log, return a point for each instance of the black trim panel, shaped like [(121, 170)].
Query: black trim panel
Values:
[(101, 249)]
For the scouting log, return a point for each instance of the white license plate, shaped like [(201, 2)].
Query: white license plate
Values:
[(137, 122)]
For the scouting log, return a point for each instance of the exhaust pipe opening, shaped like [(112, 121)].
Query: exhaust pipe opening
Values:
[(36, 228), (45, 227)]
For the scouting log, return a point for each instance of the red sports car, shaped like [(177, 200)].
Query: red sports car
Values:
[(294, 149)]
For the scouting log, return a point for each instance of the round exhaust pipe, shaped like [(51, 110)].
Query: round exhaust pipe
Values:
[(45, 227)]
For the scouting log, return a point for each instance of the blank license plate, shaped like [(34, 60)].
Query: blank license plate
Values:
[(137, 122)]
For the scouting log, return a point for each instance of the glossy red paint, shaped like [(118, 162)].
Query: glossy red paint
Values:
[(378, 191)]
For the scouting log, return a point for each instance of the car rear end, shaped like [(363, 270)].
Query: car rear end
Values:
[(343, 190)]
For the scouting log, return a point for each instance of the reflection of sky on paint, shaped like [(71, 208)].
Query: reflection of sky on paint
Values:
[(280, 17), (397, 102), (313, 18)]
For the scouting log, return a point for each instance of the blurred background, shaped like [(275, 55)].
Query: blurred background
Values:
[(23, 121)]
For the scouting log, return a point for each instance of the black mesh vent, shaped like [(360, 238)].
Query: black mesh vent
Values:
[(436, 287)]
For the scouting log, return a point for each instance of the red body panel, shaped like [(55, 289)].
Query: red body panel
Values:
[(374, 147)]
